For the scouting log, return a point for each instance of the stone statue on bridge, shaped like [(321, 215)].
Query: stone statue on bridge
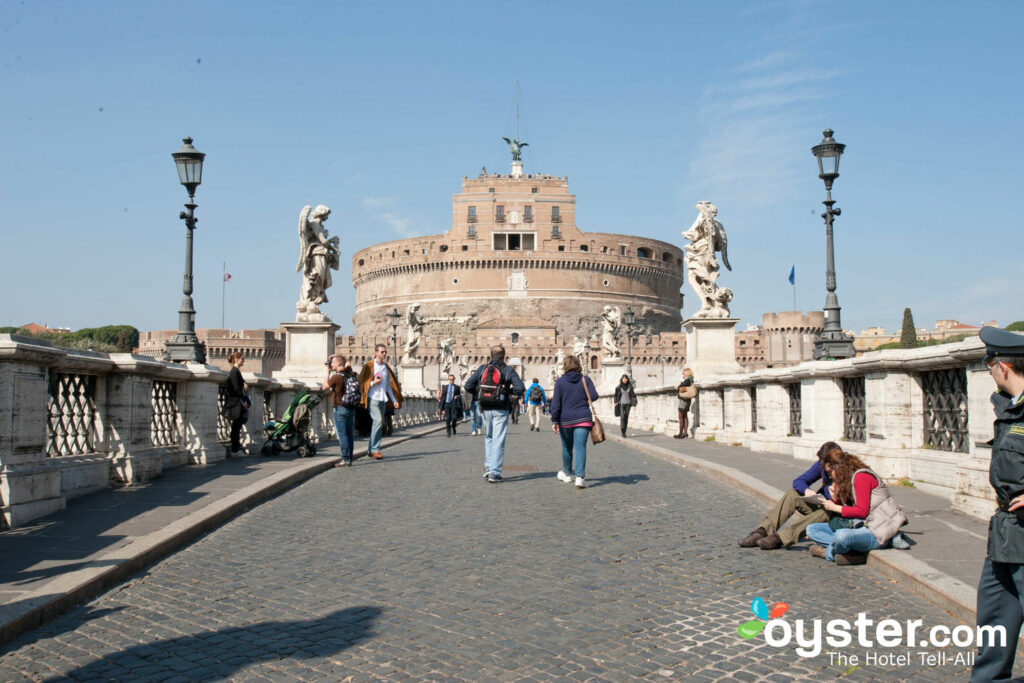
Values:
[(611, 318), (318, 256), (707, 237), (414, 334), (447, 350)]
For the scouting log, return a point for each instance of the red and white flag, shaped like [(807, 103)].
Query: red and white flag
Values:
[(227, 276)]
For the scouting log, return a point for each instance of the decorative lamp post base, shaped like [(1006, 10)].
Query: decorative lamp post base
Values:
[(184, 349), (833, 345)]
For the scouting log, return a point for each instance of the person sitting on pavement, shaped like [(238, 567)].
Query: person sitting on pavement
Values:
[(770, 535), (866, 515), (572, 419), (494, 385), (535, 400)]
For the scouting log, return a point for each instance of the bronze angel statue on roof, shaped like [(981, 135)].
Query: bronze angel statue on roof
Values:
[(516, 147), (318, 256)]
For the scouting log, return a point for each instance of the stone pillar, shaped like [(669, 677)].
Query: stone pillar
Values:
[(128, 416), (973, 494), (890, 420), (197, 405), (612, 370), (711, 346), (307, 348), (30, 482), (822, 405), (772, 418), (737, 412)]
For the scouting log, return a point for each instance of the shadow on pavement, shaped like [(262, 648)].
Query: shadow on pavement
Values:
[(629, 479), (233, 648)]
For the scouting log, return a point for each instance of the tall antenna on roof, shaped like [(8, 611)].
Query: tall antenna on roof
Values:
[(514, 145)]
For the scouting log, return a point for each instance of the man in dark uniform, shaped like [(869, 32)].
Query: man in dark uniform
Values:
[(449, 400), (1001, 588)]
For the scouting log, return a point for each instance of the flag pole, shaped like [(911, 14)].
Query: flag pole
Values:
[(794, 285), (223, 287)]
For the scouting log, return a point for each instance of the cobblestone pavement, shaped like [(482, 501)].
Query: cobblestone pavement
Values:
[(416, 568)]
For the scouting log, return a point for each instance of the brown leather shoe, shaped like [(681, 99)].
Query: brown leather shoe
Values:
[(377, 455), (753, 537), (851, 558), (818, 551), (772, 542)]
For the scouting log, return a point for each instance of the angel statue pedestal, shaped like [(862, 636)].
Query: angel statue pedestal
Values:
[(307, 346), (410, 375), (711, 346), (612, 370)]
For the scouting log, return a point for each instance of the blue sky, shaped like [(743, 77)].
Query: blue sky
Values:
[(378, 109)]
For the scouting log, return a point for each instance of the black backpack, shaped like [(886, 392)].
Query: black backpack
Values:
[(536, 394), (352, 396), (493, 389)]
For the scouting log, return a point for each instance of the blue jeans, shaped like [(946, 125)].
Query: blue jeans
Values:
[(495, 426), (574, 439), (841, 540), (377, 430), (344, 425), (477, 415)]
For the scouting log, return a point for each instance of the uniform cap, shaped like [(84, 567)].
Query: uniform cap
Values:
[(1001, 344)]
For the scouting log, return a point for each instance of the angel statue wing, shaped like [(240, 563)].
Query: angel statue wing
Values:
[(303, 236), (507, 140), (722, 243)]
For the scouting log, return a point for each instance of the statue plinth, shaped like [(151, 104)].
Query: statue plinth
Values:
[(307, 346), (711, 346), (612, 370), (517, 169), (410, 376)]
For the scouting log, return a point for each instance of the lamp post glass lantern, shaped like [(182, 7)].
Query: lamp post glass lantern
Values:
[(185, 346), (832, 342), (393, 317)]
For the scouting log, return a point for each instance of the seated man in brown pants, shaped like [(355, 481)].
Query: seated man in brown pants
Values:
[(767, 536)]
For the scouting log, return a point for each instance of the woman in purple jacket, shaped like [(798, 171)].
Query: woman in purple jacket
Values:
[(572, 420)]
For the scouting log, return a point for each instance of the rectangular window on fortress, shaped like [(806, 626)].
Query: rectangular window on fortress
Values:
[(471, 213), (499, 213), (514, 241), (527, 214), (556, 216), (533, 190)]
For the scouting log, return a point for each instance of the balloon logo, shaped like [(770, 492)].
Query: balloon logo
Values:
[(760, 609)]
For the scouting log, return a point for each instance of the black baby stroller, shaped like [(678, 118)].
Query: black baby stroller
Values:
[(290, 432)]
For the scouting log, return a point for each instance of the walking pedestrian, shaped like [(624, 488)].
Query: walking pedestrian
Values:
[(624, 400), (1001, 588), (572, 420), (476, 416), (535, 400), (449, 399), (494, 385), (236, 403), (378, 388), (345, 396), (687, 392)]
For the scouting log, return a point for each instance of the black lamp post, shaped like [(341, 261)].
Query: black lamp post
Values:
[(393, 317), (185, 346), (629, 318), (832, 342)]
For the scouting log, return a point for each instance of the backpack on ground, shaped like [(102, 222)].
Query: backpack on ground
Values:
[(352, 396), (492, 391), (536, 394)]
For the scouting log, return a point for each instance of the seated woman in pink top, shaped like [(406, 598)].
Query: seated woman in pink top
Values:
[(865, 516)]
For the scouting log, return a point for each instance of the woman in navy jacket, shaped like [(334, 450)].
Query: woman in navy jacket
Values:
[(572, 419)]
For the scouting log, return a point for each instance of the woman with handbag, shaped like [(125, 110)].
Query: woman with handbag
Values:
[(687, 392), (573, 419), (236, 403), (624, 399)]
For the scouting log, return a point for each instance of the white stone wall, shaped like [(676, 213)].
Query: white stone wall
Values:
[(894, 443), (120, 448)]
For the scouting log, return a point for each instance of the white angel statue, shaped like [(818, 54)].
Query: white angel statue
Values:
[(318, 256)]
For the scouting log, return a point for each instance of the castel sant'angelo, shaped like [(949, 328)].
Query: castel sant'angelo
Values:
[(514, 268)]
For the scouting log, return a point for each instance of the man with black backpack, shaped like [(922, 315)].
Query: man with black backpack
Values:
[(535, 400), (493, 385), (345, 395)]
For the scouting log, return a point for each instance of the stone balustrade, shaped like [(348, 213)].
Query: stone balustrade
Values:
[(920, 415), (73, 422)]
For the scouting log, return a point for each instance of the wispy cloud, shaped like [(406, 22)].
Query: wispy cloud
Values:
[(752, 124), (382, 208)]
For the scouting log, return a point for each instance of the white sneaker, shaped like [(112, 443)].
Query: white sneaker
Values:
[(562, 476), (580, 484)]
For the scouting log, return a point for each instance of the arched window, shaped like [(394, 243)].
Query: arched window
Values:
[(515, 337)]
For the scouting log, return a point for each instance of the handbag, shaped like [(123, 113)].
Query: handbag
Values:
[(618, 410), (688, 393), (597, 431)]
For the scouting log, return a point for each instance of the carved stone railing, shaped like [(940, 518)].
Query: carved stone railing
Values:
[(72, 422), (921, 415)]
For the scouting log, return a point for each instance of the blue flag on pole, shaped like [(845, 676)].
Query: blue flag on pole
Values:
[(792, 275)]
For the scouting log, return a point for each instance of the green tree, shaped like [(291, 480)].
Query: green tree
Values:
[(1016, 326), (908, 337)]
